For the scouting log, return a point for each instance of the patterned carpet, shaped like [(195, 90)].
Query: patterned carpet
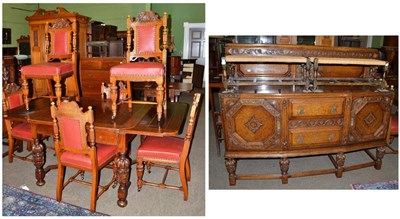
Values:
[(19, 202), (391, 184)]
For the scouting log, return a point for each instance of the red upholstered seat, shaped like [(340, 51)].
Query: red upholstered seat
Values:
[(138, 69), (166, 148), (394, 128), (22, 130), (104, 152), (50, 68)]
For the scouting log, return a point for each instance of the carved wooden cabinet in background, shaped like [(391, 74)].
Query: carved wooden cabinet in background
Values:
[(37, 23), (269, 109)]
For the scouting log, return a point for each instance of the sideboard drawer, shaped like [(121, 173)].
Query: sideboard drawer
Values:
[(91, 64), (95, 75), (107, 64), (312, 137), (316, 107)]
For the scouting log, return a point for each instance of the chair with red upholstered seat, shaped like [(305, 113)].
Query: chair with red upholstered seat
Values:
[(166, 151), (394, 132), (149, 62), (74, 140), (60, 60), (20, 131)]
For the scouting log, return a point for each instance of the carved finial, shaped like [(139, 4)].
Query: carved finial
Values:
[(146, 16)]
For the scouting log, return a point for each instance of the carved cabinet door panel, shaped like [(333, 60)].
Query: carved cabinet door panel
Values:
[(251, 123), (370, 117)]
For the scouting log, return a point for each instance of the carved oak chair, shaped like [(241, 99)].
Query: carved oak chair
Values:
[(394, 132), (149, 62), (76, 147), (60, 59), (167, 151), (20, 131)]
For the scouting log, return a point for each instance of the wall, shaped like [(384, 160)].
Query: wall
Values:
[(180, 13), (113, 14), (15, 19)]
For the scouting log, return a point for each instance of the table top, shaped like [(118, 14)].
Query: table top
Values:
[(141, 119)]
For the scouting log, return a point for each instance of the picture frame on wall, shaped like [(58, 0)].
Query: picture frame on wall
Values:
[(6, 35)]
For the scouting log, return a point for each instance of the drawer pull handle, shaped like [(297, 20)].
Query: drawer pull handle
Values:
[(334, 110), (330, 137), (300, 139), (301, 110)]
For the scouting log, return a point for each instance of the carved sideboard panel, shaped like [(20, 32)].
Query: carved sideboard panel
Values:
[(253, 124)]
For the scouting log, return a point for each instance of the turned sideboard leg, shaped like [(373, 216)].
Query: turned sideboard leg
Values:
[(380, 152), (230, 164), (340, 158), (284, 163)]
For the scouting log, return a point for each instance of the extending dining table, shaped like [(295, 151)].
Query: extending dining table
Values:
[(141, 119)]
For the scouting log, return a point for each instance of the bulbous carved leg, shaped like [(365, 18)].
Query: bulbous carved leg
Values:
[(340, 158), (38, 160), (231, 164), (284, 164), (380, 152), (122, 165)]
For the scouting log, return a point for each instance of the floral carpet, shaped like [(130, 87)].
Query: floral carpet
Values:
[(19, 202), (390, 184)]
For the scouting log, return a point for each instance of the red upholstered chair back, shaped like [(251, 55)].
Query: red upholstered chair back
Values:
[(149, 31), (70, 132), (194, 111), (12, 99), (61, 39)]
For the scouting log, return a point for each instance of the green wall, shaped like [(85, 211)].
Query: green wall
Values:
[(15, 19), (178, 14), (113, 14)]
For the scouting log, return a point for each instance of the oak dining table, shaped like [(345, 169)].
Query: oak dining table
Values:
[(141, 120)]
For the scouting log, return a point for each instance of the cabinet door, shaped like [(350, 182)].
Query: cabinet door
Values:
[(370, 117), (251, 123)]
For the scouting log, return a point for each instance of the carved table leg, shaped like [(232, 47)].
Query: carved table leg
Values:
[(340, 158), (284, 163), (380, 152), (122, 165), (38, 160), (230, 164)]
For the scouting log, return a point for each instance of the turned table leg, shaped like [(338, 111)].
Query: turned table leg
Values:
[(284, 164), (340, 158), (230, 164), (38, 160), (380, 152), (122, 165)]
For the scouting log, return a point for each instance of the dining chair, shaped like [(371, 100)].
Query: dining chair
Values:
[(170, 153), (147, 61), (60, 60), (76, 147), (394, 133), (20, 131)]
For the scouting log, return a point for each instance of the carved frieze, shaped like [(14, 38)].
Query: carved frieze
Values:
[(299, 52), (315, 122)]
